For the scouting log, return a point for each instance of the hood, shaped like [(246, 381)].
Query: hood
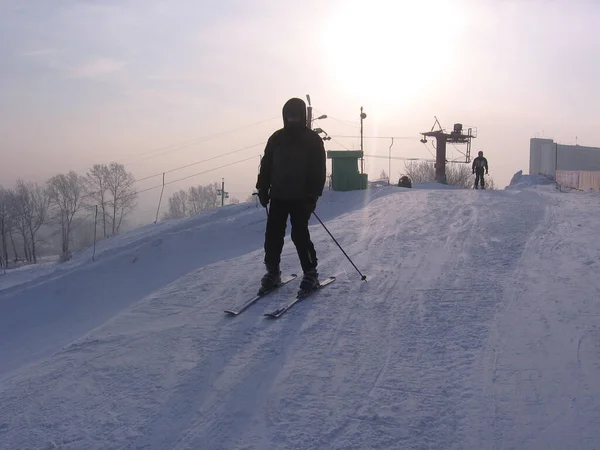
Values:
[(294, 113)]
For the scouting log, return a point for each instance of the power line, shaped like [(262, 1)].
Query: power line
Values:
[(406, 158), (212, 170), (347, 122), (174, 147), (200, 162), (341, 145), (456, 148), (429, 150), (379, 137), (196, 174)]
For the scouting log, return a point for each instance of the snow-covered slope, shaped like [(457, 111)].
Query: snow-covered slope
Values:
[(58, 303), (477, 328)]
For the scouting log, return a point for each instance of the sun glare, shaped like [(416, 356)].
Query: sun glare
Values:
[(386, 51)]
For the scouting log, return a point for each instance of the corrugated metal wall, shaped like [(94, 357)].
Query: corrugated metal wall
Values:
[(583, 180), (545, 155)]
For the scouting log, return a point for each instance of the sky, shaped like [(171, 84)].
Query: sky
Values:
[(159, 85)]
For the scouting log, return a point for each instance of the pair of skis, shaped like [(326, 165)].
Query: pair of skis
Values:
[(283, 309)]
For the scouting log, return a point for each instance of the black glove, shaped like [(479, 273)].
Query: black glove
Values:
[(263, 198), (311, 204)]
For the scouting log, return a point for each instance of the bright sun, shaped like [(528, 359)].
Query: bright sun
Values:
[(390, 51)]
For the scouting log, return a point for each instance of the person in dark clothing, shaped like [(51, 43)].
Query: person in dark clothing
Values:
[(292, 176), (479, 165)]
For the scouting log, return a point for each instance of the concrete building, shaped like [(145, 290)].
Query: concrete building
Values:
[(547, 156)]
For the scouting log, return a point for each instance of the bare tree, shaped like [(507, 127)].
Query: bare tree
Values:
[(420, 171), (459, 175), (212, 200), (11, 205), (202, 198), (194, 201), (97, 188), (4, 226), (383, 176), (178, 205), (489, 183), (66, 193), (82, 232), (18, 202), (32, 208), (39, 214), (9, 216), (119, 184), (424, 171)]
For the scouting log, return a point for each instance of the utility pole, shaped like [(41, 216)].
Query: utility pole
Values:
[(390, 162), (362, 159), (222, 192), (309, 113)]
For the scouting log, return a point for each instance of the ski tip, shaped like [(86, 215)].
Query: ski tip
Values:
[(231, 313), (274, 314)]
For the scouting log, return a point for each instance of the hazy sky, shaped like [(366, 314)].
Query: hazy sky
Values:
[(143, 81)]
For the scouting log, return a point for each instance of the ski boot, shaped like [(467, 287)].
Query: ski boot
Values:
[(310, 281), (270, 280)]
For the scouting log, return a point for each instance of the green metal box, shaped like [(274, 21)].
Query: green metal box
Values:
[(345, 175)]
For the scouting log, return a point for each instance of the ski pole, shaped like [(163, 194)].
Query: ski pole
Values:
[(362, 277)]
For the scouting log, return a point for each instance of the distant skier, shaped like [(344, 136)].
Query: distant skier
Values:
[(479, 165), (291, 178)]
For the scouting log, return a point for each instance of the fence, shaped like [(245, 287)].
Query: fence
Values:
[(579, 179)]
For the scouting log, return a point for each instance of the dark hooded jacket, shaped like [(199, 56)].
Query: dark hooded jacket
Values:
[(293, 165), (480, 164)]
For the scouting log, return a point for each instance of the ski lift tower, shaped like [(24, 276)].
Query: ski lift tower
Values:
[(442, 137)]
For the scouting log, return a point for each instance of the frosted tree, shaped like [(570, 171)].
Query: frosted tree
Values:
[(420, 171), (383, 176), (5, 225), (31, 208), (459, 175), (178, 205), (66, 194), (203, 198), (96, 180), (193, 201), (120, 186), (9, 217)]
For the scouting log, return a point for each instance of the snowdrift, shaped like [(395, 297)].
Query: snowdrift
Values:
[(520, 181)]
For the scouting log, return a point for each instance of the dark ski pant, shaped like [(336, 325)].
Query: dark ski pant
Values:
[(275, 234), (479, 178)]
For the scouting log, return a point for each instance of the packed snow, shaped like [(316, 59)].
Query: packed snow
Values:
[(477, 328)]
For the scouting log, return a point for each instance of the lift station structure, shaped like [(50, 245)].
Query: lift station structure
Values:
[(442, 137)]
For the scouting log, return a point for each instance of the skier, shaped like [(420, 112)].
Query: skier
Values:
[(479, 165), (291, 177)]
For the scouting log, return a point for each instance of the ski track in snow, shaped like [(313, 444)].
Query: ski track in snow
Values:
[(477, 328), (542, 359)]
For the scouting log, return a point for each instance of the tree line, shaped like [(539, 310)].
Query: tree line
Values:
[(188, 203), (458, 174), (58, 205)]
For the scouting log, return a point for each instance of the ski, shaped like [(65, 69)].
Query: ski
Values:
[(240, 308), (299, 297)]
